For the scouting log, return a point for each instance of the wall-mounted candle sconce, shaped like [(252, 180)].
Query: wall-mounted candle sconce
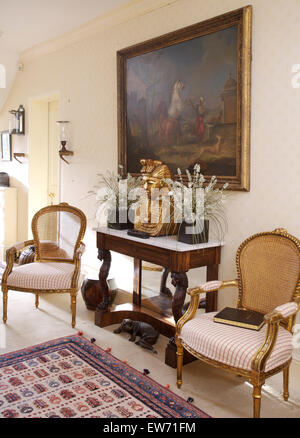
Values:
[(64, 138), (17, 121), (17, 155)]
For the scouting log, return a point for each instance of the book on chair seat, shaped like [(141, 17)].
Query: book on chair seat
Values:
[(241, 318)]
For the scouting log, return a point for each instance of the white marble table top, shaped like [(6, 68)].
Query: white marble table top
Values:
[(168, 242)]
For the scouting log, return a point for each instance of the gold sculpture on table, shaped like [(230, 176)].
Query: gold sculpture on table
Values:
[(155, 221)]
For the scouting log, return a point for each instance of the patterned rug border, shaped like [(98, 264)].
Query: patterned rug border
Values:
[(137, 384)]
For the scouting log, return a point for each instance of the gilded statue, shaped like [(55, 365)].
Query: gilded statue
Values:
[(155, 221)]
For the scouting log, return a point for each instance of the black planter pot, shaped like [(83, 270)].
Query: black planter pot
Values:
[(193, 238), (114, 217)]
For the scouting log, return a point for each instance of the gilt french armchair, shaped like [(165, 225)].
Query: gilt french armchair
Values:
[(268, 281), (57, 231)]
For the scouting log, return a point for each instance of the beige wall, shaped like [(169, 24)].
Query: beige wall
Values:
[(84, 74)]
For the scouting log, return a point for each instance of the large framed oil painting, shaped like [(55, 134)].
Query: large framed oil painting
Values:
[(184, 98)]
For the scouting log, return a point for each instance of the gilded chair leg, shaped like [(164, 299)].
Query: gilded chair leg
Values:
[(4, 306), (256, 400), (73, 308), (286, 373), (36, 300), (179, 354)]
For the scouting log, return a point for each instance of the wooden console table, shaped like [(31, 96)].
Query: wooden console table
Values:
[(176, 257)]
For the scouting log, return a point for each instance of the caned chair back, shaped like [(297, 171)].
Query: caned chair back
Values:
[(57, 232), (268, 267)]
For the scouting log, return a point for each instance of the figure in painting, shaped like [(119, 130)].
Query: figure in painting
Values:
[(169, 129), (177, 104), (199, 108)]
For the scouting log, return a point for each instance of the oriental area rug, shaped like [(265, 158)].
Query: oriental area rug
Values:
[(71, 377)]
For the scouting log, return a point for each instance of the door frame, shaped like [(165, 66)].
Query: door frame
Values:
[(38, 154)]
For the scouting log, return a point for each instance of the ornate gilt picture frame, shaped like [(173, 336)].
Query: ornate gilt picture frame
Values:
[(184, 98)]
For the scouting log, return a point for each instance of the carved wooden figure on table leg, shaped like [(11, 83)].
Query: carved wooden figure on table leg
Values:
[(105, 256), (180, 282), (164, 290)]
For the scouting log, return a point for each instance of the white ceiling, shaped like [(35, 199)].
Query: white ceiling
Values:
[(26, 23)]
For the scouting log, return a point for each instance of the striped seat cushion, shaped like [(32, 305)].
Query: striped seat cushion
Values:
[(42, 276), (231, 345)]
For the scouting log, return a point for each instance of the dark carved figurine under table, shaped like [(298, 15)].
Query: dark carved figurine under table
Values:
[(148, 334)]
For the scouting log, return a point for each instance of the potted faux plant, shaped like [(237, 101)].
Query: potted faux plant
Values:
[(113, 198), (196, 205)]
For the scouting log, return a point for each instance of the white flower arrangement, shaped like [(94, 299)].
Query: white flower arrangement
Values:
[(114, 191), (197, 200)]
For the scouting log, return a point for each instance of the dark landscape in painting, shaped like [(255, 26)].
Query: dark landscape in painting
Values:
[(182, 105)]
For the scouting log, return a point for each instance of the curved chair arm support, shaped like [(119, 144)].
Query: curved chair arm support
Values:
[(78, 254), (273, 319), (80, 250), (210, 286), (10, 253), (189, 314)]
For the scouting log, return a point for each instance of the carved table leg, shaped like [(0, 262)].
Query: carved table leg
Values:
[(180, 281), (164, 290), (137, 282), (105, 256)]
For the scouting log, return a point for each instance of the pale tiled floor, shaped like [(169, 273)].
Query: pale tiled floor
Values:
[(216, 392)]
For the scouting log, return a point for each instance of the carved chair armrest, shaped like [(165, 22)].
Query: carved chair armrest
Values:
[(210, 286), (80, 250), (10, 254), (273, 319), (19, 246)]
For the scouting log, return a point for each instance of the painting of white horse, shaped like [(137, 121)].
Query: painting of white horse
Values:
[(182, 101), (176, 106)]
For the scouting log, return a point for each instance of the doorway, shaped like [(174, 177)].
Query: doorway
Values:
[(44, 164)]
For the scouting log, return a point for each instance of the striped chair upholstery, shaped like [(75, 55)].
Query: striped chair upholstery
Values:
[(42, 276), (268, 281), (234, 346)]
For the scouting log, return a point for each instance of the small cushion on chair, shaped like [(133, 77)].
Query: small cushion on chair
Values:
[(211, 285), (287, 309), (231, 345), (42, 276)]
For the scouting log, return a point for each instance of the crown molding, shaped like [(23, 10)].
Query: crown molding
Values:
[(125, 13)]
